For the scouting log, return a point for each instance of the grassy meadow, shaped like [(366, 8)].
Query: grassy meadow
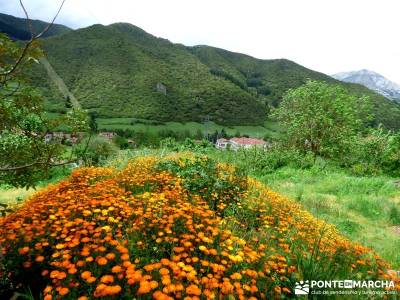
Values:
[(366, 209), (270, 129)]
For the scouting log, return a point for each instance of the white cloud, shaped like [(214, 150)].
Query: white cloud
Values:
[(328, 36)]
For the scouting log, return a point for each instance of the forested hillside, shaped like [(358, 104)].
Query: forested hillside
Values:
[(17, 28), (271, 79), (122, 71)]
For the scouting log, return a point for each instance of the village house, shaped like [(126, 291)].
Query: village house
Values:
[(107, 135), (246, 143), (222, 143), (60, 136), (240, 143)]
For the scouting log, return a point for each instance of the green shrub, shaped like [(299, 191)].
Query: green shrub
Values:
[(121, 142), (95, 150), (376, 153), (394, 215), (261, 162)]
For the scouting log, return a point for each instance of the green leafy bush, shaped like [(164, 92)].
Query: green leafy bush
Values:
[(95, 151), (377, 152)]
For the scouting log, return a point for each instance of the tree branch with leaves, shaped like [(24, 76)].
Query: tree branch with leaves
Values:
[(26, 156)]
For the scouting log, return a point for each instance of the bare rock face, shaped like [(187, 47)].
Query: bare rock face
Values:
[(161, 88)]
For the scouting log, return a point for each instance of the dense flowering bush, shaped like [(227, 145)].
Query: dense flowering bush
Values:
[(181, 227)]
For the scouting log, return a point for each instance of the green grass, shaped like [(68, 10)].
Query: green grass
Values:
[(363, 208), (11, 196), (270, 128)]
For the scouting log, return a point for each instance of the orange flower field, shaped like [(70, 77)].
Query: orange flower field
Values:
[(178, 227)]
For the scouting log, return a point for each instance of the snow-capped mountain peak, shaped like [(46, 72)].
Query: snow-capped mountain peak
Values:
[(373, 81)]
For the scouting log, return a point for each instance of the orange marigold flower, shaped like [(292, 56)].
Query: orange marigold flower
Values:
[(144, 288), (23, 250), (116, 269), (236, 276), (39, 258), (83, 298), (61, 275), (54, 274), (153, 284), (116, 289), (60, 246), (91, 279), (80, 263), (213, 251), (158, 295), (107, 279), (125, 256), (193, 290), (86, 274), (253, 289), (164, 271), (63, 291), (110, 256), (102, 261), (101, 249)]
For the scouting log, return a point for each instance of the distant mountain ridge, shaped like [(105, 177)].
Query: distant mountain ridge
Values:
[(18, 29), (120, 70), (373, 81)]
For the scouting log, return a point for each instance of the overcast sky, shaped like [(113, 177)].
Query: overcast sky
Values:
[(329, 36)]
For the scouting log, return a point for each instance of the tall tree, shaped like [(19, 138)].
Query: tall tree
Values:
[(321, 117)]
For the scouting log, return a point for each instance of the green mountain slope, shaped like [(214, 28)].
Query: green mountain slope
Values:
[(18, 29), (115, 70), (272, 78), (121, 71)]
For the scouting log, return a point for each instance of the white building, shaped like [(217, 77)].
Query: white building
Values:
[(240, 142)]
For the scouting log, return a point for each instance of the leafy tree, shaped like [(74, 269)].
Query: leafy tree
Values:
[(92, 122), (25, 153), (223, 133), (121, 142), (322, 118)]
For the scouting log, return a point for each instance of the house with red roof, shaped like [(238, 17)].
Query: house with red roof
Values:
[(240, 143)]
